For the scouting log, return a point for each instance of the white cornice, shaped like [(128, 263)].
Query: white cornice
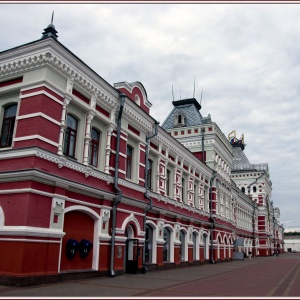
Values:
[(137, 118), (49, 53), (176, 148)]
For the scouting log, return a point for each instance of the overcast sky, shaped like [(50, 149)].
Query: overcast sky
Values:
[(245, 57)]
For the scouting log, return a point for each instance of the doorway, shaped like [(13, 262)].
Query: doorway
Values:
[(132, 256)]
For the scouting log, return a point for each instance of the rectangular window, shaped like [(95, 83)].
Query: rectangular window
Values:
[(183, 196), (195, 195), (8, 125), (168, 182), (129, 153), (94, 147), (149, 176), (70, 136)]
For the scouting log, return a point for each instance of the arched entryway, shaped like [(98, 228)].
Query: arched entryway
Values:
[(78, 249), (205, 246), (149, 244), (132, 251)]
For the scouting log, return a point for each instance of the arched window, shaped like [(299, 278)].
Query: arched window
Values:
[(205, 246), (254, 189), (70, 136), (182, 245), (179, 120), (167, 244), (194, 236), (94, 147), (8, 125), (243, 189), (129, 153), (148, 244)]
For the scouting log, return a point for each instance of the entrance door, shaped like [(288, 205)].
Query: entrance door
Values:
[(132, 255)]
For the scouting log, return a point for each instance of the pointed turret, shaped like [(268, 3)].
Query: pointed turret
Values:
[(50, 31)]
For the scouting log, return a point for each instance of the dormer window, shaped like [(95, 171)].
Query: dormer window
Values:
[(179, 119)]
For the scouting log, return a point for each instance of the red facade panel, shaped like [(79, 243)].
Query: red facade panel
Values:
[(26, 209), (38, 126), (41, 104)]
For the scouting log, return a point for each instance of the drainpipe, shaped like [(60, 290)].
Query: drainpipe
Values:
[(144, 269), (119, 192), (212, 221)]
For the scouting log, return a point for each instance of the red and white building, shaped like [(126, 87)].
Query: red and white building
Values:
[(91, 185)]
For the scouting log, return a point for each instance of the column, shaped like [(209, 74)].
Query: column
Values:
[(63, 125), (87, 137)]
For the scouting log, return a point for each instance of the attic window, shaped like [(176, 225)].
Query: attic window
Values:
[(179, 119), (137, 99)]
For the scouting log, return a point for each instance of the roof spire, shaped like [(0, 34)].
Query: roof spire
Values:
[(50, 30)]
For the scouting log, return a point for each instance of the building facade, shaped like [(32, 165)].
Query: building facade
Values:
[(91, 185), (292, 243)]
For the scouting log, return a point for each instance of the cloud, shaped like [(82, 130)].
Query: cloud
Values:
[(244, 57)]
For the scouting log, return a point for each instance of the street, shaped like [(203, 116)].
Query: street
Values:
[(256, 277)]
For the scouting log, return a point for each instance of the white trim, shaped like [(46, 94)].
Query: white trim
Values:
[(97, 219), (30, 241), (38, 114), (130, 212), (35, 136), (40, 93), (84, 209), (2, 217), (31, 231), (38, 192), (135, 221)]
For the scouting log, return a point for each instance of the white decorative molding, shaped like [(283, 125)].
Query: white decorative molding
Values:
[(131, 185), (39, 114), (39, 93), (35, 136), (31, 231)]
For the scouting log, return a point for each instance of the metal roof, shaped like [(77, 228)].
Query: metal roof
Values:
[(187, 108), (240, 160)]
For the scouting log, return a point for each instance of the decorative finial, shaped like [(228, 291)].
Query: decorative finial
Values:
[(52, 17), (194, 88), (50, 30), (236, 142)]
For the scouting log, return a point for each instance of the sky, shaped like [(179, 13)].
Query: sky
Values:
[(243, 59)]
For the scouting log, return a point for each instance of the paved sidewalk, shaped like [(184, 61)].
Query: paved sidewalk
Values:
[(258, 277)]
